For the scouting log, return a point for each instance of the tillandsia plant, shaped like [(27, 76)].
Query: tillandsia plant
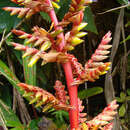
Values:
[(53, 46)]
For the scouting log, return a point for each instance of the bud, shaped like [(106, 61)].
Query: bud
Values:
[(55, 5), (99, 122), (39, 41), (81, 34), (81, 26), (32, 39), (55, 33), (108, 126), (29, 13), (74, 2), (38, 94), (45, 46), (68, 47), (98, 57), (104, 72), (94, 64), (39, 104), (20, 1), (81, 7), (106, 118), (23, 12), (101, 52), (72, 9), (27, 53), (102, 68), (48, 106), (24, 36), (18, 32), (34, 100), (15, 11), (44, 99), (82, 2), (27, 1), (27, 94), (43, 63), (89, 1), (84, 126), (75, 41), (33, 60), (18, 46)]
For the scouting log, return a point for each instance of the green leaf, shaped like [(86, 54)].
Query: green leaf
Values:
[(128, 98), (122, 96), (64, 7), (16, 52), (127, 24), (6, 72), (6, 21), (18, 55), (122, 121), (89, 92), (128, 91), (29, 72), (60, 117), (128, 64), (45, 16), (33, 125), (119, 99), (122, 1), (128, 38), (4, 93), (88, 17), (10, 119), (122, 110)]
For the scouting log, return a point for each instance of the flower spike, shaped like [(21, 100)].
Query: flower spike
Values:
[(105, 117), (95, 67), (42, 97), (60, 92), (31, 7)]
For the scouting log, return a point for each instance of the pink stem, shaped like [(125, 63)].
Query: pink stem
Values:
[(73, 113)]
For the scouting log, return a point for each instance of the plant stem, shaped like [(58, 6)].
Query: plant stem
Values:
[(73, 113)]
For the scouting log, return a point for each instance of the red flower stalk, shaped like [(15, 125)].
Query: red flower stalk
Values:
[(73, 113)]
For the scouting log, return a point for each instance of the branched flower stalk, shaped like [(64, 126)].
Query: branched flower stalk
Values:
[(53, 46)]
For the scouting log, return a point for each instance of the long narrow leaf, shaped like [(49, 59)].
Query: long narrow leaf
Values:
[(6, 72), (9, 118), (29, 72), (88, 17), (90, 92)]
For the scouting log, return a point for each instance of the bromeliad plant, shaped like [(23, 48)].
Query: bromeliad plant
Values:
[(53, 46)]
